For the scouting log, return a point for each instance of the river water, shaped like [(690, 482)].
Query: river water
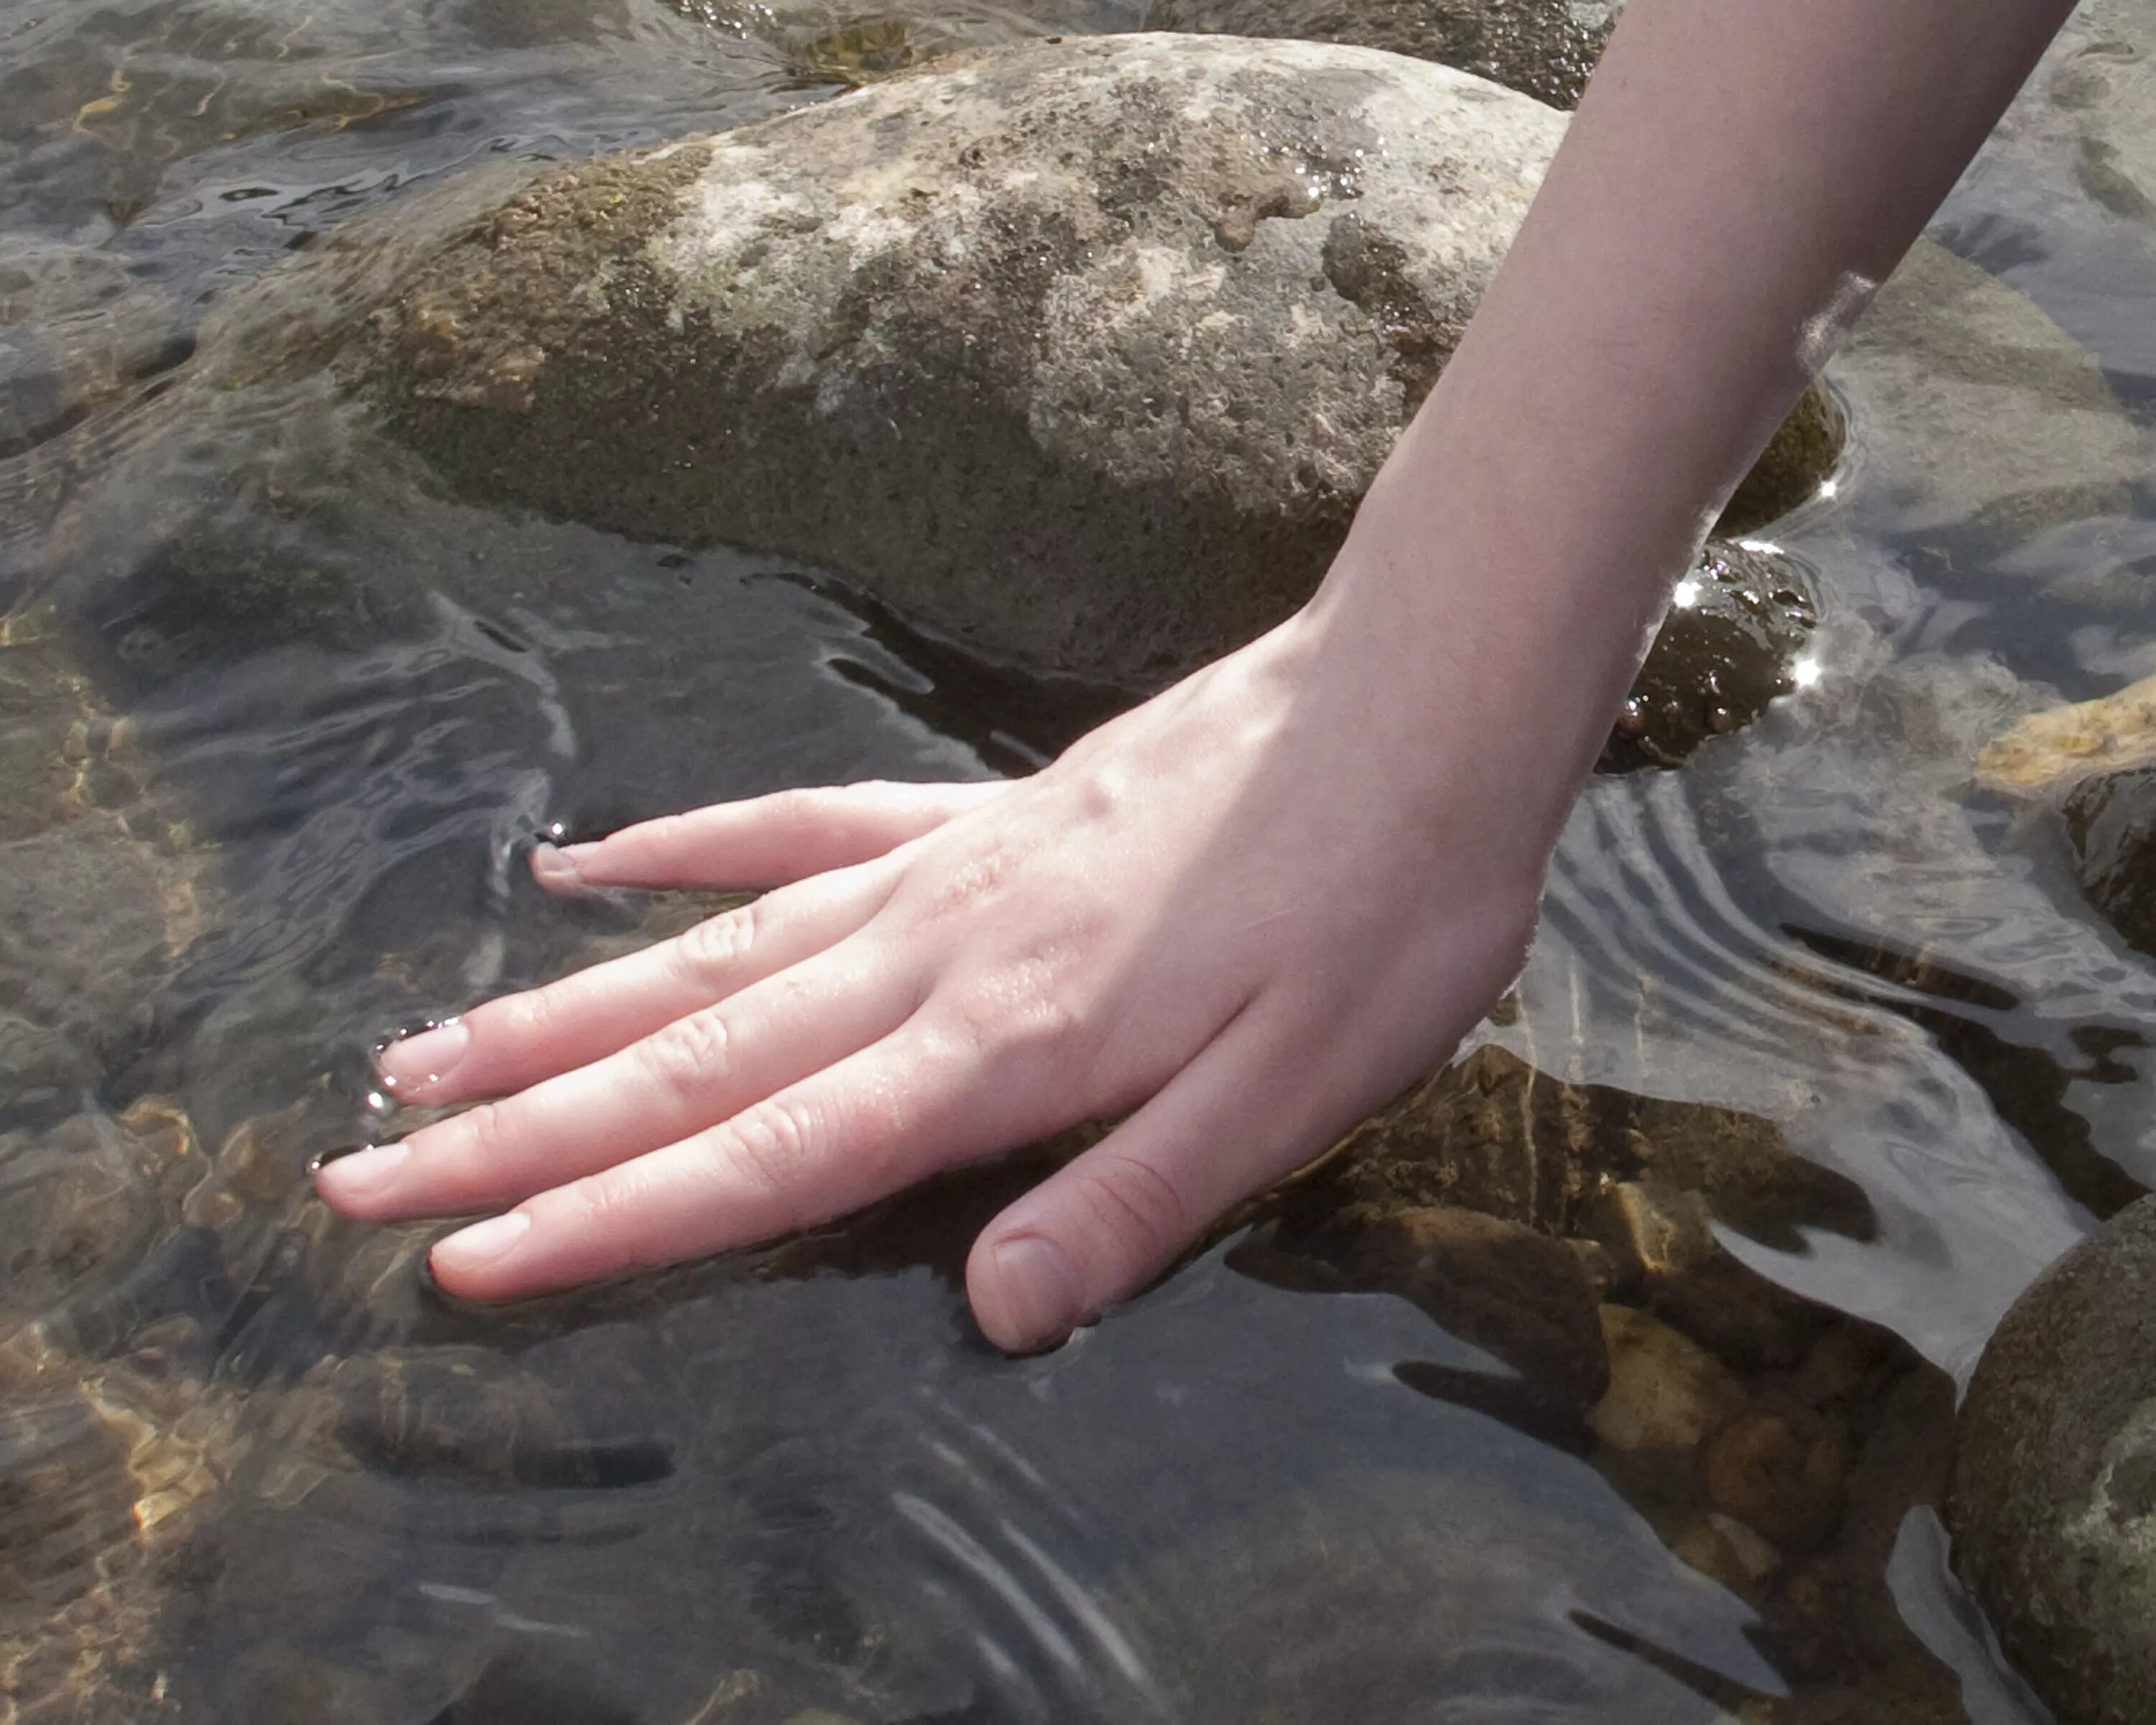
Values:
[(271, 747)]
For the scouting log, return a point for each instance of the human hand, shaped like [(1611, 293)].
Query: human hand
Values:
[(1242, 914)]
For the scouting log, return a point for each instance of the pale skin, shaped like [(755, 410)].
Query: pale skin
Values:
[(1242, 914)]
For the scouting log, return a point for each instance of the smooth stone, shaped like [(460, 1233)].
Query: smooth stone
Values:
[(1078, 355), (1976, 414), (2053, 1508), (1544, 48)]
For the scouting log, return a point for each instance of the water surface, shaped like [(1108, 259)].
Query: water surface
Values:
[(277, 720)]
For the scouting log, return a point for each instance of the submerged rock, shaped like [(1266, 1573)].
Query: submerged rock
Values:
[(2094, 763), (1080, 355), (100, 893), (2053, 1510), (2066, 748), (1570, 1230), (1978, 415), (1544, 48), (2098, 104)]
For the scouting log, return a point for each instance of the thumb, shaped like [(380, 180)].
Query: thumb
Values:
[(1099, 1230)]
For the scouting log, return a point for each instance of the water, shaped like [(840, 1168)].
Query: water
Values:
[(275, 720)]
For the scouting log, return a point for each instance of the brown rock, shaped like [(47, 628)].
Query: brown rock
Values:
[(1780, 1471)]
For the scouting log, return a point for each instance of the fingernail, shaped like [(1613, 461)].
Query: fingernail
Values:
[(1041, 1297), (481, 1244), (360, 1172), (426, 1058), (556, 866)]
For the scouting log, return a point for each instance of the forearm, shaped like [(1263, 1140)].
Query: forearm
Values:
[(1738, 179)]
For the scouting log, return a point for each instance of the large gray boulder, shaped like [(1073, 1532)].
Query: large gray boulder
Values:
[(1080, 354), (2054, 1503)]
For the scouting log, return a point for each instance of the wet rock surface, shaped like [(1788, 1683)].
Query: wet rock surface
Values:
[(1730, 643), (1544, 48), (2054, 1503), (1080, 355)]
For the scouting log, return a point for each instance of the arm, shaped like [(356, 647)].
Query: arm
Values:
[(1248, 912)]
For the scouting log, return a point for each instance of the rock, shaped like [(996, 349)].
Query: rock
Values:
[(1503, 1286), (1544, 48), (1666, 1393), (1733, 641), (1976, 412), (1793, 468), (1780, 1472), (2053, 1508), (2063, 749), (1491, 1133), (1079, 354), (165, 88), (78, 331), (1066, 326), (462, 1415), (2111, 831), (2094, 763)]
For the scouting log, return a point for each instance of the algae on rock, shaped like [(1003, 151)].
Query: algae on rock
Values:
[(2053, 1509)]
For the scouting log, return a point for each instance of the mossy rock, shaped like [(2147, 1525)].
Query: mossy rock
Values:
[(2053, 1504)]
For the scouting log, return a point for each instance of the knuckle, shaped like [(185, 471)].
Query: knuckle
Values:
[(977, 882), (771, 1147), (606, 1208), (487, 1132), (1140, 1207), (688, 1056), (718, 944), (1026, 1015), (800, 807), (535, 1016)]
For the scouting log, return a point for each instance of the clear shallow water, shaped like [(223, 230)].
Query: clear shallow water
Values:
[(277, 718)]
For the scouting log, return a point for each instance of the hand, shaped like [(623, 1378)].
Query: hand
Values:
[(1242, 914)]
